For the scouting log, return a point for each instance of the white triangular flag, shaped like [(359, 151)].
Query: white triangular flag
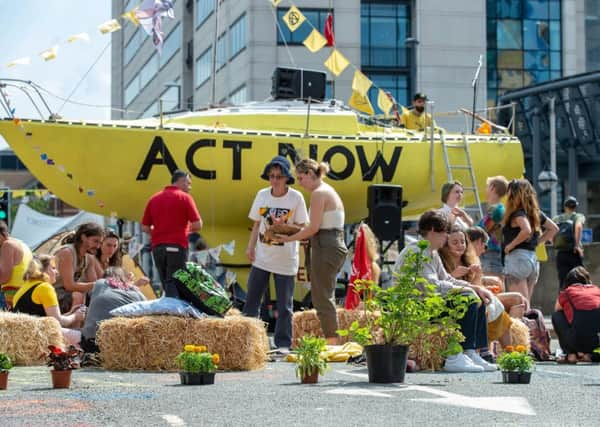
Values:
[(215, 253), (230, 277), (19, 61), (81, 36), (229, 247), (201, 257)]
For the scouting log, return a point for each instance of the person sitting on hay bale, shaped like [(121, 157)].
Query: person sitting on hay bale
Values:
[(15, 257), (38, 297), (113, 291), (433, 227)]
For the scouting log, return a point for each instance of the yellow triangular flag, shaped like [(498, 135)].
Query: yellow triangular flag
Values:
[(336, 63), (275, 2), (131, 16), (109, 26), (361, 83), (315, 41), (384, 103), (19, 61), (49, 54), (293, 18), (361, 103), (81, 36), (17, 194)]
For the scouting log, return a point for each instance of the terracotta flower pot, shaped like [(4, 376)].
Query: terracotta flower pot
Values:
[(3, 380), (312, 378), (61, 379), (197, 378)]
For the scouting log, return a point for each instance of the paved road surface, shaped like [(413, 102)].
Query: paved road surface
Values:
[(558, 396)]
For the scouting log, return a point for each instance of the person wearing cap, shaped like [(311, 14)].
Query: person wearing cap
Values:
[(276, 204), (169, 216), (569, 250), (416, 118)]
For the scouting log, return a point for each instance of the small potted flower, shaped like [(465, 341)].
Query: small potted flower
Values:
[(309, 362), (5, 366), (197, 365), (515, 364), (63, 362)]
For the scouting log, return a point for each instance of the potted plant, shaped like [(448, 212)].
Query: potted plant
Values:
[(309, 362), (5, 366), (197, 365), (515, 364), (395, 317), (63, 362)]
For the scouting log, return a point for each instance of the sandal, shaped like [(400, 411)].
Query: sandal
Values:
[(584, 357)]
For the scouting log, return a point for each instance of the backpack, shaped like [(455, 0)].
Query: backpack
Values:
[(565, 237), (539, 335)]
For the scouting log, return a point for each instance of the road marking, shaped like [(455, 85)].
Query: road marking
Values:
[(510, 404), (174, 420)]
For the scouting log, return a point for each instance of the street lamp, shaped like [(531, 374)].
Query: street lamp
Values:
[(547, 180), (412, 43)]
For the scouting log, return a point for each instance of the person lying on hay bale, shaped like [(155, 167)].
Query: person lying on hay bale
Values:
[(38, 297), (113, 291)]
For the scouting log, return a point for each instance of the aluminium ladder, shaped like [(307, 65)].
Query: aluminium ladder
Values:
[(450, 168)]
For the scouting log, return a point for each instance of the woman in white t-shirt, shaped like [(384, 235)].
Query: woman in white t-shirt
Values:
[(275, 204), (452, 195)]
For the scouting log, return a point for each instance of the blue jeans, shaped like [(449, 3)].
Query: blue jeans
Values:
[(258, 281), (2, 301)]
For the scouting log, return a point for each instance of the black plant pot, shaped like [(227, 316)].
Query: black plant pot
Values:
[(516, 377), (191, 378), (386, 363)]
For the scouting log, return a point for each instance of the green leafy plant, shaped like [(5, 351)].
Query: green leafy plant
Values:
[(309, 358), (5, 362), (62, 360), (515, 360), (410, 308), (196, 359)]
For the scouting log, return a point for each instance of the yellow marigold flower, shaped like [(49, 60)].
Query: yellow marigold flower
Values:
[(189, 347), (197, 349), (521, 348), (509, 348), (215, 358), (202, 348)]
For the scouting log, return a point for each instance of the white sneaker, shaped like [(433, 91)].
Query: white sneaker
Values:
[(479, 361), (461, 363)]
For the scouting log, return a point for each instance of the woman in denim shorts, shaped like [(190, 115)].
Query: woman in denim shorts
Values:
[(525, 226)]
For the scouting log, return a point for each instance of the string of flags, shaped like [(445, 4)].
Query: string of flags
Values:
[(19, 193), (148, 14), (337, 63)]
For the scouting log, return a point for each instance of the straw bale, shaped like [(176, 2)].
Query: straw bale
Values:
[(26, 338), (307, 323), (428, 359), (519, 334), (152, 342)]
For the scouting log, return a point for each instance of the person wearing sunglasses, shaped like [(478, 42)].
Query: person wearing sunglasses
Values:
[(276, 204)]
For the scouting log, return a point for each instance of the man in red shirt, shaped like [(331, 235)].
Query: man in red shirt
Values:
[(169, 216)]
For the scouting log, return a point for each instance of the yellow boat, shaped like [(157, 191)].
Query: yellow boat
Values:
[(113, 167)]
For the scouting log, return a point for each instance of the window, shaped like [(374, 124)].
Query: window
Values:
[(222, 51), (396, 84), (239, 96), (316, 17), (152, 110), (384, 29), (203, 10), (203, 67), (170, 98), (237, 36), (149, 70), (133, 45), (171, 45)]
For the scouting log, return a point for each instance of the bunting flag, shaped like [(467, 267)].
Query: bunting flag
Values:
[(131, 17), (315, 41), (229, 247), (275, 3), (336, 63), (361, 103), (215, 253), (20, 61), (293, 18), (150, 14), (384, 102), (109, 26), (49, 54), (17, 194), (361, 83), (361, 269), (201, 257), (81, 36), (230, 277), (329, 30)]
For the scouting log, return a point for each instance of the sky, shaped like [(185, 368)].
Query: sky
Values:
[(32, 26)]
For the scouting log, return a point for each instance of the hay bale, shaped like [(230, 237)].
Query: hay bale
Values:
[(307, 323), (26, 338), (152, 342), (425, 350), (519, 334)]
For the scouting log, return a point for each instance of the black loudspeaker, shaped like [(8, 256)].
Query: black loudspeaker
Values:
[(385, 211), (295, 83)]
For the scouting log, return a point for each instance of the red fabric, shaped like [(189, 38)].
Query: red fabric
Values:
[(583, 297), (329, 30), (170, 212), (361, 269)]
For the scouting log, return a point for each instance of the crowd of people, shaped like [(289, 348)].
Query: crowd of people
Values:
[(494, 261)]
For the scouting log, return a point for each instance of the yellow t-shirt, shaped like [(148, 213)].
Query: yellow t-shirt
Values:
[(44, 294), (413, 121)]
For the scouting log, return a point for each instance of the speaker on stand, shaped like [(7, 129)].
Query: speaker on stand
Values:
[(385, 215)]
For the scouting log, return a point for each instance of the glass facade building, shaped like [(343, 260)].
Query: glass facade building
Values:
[(524, 44)]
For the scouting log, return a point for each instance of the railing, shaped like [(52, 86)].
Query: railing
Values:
[(32, 91)]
